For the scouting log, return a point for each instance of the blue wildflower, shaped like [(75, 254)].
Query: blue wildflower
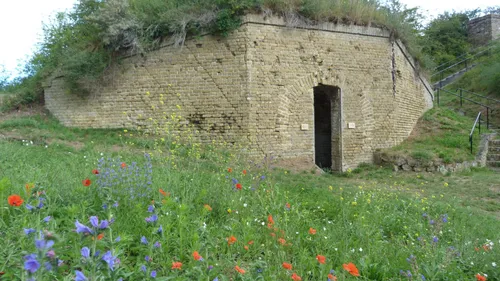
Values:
[(432, 222), (29, 207), (143, 268), (422, 277), (147, 258), (80, 228), (160, 229), (118, 239), (48, 266), (85, 251), (216, 279), (235, 181), (144, 240), (109, 259), (105, 206), (445, 218), (28, 231), (94, 221), (157, 244), (153, 274), (80, 276), (43, 245), (151, 208), (435, 239), (104, 224), (31, 264), (47, 218), (116, 204)]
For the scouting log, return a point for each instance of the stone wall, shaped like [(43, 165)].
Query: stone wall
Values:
[(484, 29), (256, 87)]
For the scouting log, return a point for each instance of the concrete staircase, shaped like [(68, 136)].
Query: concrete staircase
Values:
[(493, 158), (451, 78)]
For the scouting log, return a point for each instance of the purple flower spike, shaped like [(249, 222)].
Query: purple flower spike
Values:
[(94, 221), (80, 276), (80, 228)]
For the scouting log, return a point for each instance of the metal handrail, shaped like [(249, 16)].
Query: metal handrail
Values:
[(484, 97), (488, 109), (461, 56), (478, 119), (457, 63)]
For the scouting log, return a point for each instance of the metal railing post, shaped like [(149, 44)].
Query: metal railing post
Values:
[(439, 90), (471, 140), (461, 98), (487, 118)]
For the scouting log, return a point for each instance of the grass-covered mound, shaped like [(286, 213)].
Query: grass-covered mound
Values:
[(440, 134), (82, 43), (106, 212)]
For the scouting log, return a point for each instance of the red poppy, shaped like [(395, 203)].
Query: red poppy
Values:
[(229, 170), (245, 247), (95, 172), (123, 165), (177, 265), (86, 182), (479, 277), (207, 207), (250, 242), (270, 220), (164, 193), (282, 241), (321, 259), (231, 240), (244, 172), (240, 270), (312, 231), (332, 277), (238, 186), (287, 266), (351, 268), (197, 256), (15, 200), (295, 277), (287, 205)]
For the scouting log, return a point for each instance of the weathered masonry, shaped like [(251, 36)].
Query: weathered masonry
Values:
[(484, 29), (328, 95)]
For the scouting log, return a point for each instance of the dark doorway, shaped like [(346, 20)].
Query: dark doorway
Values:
[(327, 127)]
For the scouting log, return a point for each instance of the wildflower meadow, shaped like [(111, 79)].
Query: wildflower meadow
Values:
[(208, 213)]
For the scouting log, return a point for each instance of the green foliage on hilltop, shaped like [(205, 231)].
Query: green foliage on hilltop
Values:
[(446, 37)]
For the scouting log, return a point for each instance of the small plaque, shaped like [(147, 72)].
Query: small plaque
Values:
[(304, 127), (351, 125)]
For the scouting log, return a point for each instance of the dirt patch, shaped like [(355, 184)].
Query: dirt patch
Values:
[(298, 165), (73, 144)]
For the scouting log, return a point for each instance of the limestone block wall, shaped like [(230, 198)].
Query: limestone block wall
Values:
[(484, 29), (256, 87), (206, 78)]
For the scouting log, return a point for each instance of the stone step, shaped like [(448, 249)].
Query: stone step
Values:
[(493, 163), (494, 143), (493, 157), (493, 149)]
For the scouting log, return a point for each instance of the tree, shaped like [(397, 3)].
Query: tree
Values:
[(446, 37)]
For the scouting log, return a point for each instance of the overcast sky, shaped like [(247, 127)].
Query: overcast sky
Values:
[(21, 22)]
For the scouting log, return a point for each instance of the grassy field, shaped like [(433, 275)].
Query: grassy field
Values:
[(205, 213)]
